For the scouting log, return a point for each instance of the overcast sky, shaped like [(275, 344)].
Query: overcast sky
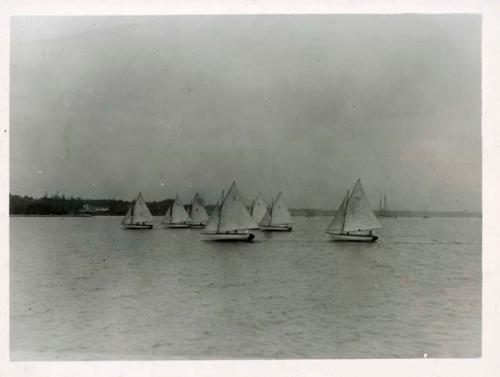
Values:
[(108, 106)]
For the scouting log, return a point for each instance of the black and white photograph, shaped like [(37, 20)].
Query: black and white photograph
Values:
[(245, 187)]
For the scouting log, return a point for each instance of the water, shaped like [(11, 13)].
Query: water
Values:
[(83, 289)]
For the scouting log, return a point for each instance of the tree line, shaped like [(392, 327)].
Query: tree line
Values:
[(60, 205)]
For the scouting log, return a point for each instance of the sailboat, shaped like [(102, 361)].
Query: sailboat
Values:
[(197, 212), (176, 216), (277, 216), (258, 209), (354, 220), (138, 215), (230, 220)]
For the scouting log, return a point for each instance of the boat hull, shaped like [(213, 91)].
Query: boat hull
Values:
[(199, 225), (138, 226), (246, 237), (173, 225), (353, 237), (276, 228)]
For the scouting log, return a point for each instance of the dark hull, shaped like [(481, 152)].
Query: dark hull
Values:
[(197, 225), (276, 228), (138, 226), (230, 237), (344, 237)]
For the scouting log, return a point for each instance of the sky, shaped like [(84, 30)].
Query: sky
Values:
[(105, 107)]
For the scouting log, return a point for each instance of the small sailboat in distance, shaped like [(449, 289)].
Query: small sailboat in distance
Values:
[(258, 209), (277, 217), (230, 220), (197, 212), (176, 216), (354, 220), (138, 215)]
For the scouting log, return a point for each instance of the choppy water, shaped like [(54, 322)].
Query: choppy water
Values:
[(83, 289)]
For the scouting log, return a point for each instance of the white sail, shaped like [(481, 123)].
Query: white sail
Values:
[(233, 214), (279, 214), (197, 211), (337, 223), (176, 214), (140, 212), (214, 220), (128, 217), (258, 209), (358, 213), (266, 220)]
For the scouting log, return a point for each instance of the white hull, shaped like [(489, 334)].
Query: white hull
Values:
[(229, 236), (353, 237), (138, 226), (276, 228), (176, 225)]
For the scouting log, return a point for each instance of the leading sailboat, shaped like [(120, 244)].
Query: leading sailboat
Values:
[(176, 216), (138, 215), (277, 217), (230, 220), (354, 220)]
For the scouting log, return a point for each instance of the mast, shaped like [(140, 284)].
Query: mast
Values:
[(190, 212), (346, 201), (133, 207), (220, 212), (271, 212), (254, 202)]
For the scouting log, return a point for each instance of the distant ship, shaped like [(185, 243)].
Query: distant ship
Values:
[(277, 217), (176, 216), (138, 215), (354, 220), (258, 209), (382, 207), (197, 212), (230, 220), (90, 210)]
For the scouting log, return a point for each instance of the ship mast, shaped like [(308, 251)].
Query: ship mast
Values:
[(345, 209), (220, 211)]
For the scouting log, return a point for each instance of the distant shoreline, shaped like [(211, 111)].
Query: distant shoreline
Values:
[(405, 215), (61, 206)]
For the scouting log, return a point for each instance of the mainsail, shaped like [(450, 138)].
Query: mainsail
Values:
[(258, 209), (197, 212), (277, 214), (358, 213), (138, 213), (176, 213)]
